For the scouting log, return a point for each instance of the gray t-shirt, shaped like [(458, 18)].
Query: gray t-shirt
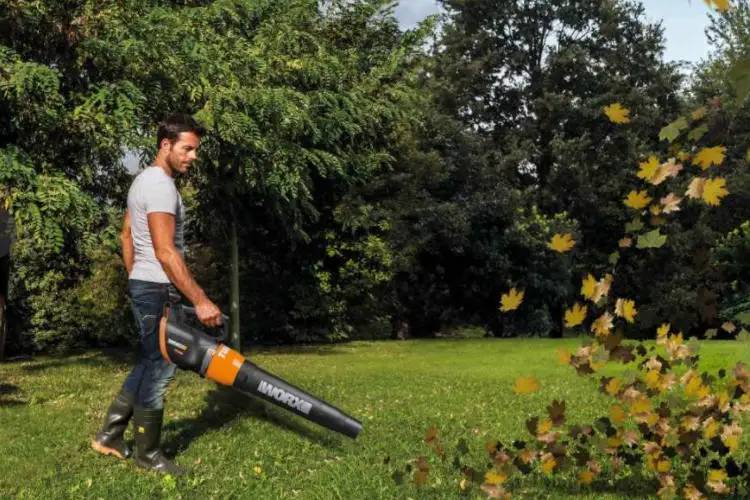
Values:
[(153, 191)]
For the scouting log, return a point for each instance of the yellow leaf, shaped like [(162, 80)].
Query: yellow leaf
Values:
[(625, 242), (561, 242), (637, 200), (711, 429), (494, 478), (549, 465), (585, 477), (544, 426), (602, 325), (640, 405), (617, 113), (710, 156), (714, 190), (602, 287), (652, 379), (588, 287), (511, 300), (717, 475), (647, 169), (663, 330), (258, 471), (663, 466), (575, 315), (625, 308), (563, 356), (613, 386), (526, 385), (617, 414)]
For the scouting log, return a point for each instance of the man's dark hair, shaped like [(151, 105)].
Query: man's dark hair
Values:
[(175, 124)]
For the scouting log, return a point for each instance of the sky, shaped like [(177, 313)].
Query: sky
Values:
[(684, 22)]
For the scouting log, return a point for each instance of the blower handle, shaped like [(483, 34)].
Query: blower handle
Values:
[(224, 322)]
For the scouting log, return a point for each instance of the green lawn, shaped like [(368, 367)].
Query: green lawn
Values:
[(50, 408)]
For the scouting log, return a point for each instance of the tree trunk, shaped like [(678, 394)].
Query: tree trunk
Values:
[(234, 293)]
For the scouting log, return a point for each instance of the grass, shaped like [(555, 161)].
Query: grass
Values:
[(50, 408)]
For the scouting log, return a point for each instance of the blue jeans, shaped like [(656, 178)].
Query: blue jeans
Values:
[(152, 373)]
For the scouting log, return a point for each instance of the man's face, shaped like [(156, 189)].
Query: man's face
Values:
[(183, 151)]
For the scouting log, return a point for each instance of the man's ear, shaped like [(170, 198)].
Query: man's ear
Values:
[(164, 142)]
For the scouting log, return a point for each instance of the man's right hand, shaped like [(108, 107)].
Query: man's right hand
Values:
[(208, 313)]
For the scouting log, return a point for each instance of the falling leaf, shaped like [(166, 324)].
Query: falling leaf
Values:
[(714, 190), (511, 300), (710, 333), (556, 412), (603, 324), (563, 356), (710, 156), (637, 200), (548, 465), (494, 478), (696, 187), (651, 239), (672, 131), (699, 113), (634, 226), (717, 475), (663, 330), (588, 287), (625, 308), (728, 327), (258, 471), (721, 5), (617, 113), (585, 477), (575, 315), (617, 414), (561, 242), (647, 169), (698, 132), (613, 386), (526, 385), (671, 203), (625, 242)]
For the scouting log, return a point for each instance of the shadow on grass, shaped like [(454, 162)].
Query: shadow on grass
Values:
[(121, 356), (224, 405), (8, 389), (314, 349)]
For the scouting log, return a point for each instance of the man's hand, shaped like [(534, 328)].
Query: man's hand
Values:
[(208, 313)]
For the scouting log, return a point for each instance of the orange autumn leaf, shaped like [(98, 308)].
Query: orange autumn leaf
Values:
[(670, 203), (585, 477), (563, 356), (695, 189)]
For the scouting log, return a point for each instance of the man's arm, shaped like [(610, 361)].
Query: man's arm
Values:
[(127, 243), (161, 225)]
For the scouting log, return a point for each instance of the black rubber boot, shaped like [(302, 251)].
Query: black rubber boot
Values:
[(109, 440), (147, 425)]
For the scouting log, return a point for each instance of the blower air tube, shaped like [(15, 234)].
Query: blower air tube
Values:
[(192, 349)]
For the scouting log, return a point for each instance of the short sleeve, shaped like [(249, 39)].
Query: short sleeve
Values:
[(160, 197)]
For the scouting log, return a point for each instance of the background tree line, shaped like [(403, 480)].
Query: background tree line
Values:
[(363, 182)]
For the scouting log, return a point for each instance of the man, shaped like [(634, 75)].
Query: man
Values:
[(153, 248)]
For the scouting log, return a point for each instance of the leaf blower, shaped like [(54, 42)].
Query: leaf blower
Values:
[(190, 348)]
